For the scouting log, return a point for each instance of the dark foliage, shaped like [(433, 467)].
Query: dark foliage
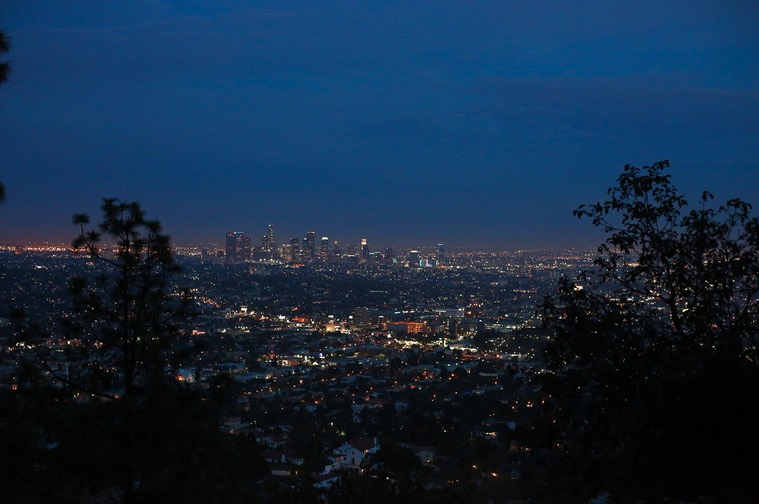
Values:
[(5, 46), (99, 415), (125, 317), (5, 70), (655, 370)]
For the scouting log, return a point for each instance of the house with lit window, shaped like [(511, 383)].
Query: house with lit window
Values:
[(354, 453)]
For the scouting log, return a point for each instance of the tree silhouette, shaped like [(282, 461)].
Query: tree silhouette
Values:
[(654, 360), (119, 426), (123, 320), (123, 332), (5, 46), (5, 70)]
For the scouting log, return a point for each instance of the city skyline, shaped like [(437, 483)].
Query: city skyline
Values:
[(480, 126)]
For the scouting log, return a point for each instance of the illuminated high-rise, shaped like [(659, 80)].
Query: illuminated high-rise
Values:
[(238, 247), (324, 248), (268, 243), (364, 250), (272, 238), (272, 242), (309, 245)]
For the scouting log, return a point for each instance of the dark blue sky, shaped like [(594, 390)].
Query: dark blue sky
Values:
[(405, 122)]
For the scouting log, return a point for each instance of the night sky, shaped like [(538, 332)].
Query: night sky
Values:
[(479, 124)]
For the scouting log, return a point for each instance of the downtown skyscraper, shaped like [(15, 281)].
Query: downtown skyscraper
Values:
[(238, 247)]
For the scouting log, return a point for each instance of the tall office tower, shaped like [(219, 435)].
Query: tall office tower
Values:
[(229, 257), (452, 327), (361, 316), (272, 239), (309, 245), (272, 242), (238, 247), (440, 254), (364, 250), (294, 249), (324, 248), (247, 249)]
